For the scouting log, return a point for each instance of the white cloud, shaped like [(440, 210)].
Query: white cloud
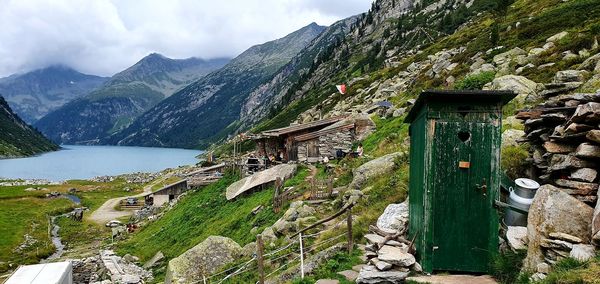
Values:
[(103, 36)]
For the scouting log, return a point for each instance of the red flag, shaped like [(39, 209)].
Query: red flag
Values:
[(341, 88)]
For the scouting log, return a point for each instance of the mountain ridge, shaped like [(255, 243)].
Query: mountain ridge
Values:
[(205, 108), (121, 99), (36, 93)]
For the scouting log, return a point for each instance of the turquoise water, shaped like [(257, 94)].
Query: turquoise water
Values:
[(84, 162)]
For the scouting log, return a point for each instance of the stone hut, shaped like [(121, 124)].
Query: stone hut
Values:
[(311, 142), (313, 146), (283, 139)]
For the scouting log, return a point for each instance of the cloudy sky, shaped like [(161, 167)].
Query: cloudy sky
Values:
[(105, 36)]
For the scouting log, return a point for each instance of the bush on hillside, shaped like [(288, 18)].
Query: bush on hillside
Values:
[(513, 160), (507, 265), (476, 81)]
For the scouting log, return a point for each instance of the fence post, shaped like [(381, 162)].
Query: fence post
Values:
[(259, 259), (301, 256), (350, 241)]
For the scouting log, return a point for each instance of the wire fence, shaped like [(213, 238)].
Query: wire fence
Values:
[(287, 256)]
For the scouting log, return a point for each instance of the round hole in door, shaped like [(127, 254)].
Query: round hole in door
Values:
[(464, 136)]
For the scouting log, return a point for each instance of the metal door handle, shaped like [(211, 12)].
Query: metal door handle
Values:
[(482, 187)]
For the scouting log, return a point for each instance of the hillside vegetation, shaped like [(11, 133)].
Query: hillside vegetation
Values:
[(17, 138), (394, 56)]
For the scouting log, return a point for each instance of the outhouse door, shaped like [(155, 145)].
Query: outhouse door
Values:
[(463, 162)]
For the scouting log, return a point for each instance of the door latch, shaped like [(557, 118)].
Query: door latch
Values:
[(482, 187)]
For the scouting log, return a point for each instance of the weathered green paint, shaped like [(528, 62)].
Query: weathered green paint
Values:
[(452, 219)]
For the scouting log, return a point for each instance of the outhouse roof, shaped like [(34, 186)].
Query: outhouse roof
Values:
[(457, 96)]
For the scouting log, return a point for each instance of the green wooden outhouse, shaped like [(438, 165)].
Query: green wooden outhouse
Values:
[(455, 178)]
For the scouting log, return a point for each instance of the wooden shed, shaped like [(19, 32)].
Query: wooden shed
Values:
[(455, 178), (282, 140), (166, 194)]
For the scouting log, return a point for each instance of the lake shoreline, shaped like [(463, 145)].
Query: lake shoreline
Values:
[(76, 162)]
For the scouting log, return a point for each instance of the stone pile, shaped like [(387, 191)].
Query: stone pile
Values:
[(564, 135), (388, 253), (109, 268), (559, 246)]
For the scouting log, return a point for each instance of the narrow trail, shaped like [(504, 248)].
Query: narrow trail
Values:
[(313, 172), (107, 211)]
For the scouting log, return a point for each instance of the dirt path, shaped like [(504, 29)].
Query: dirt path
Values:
[(107, 211), (313, 172)]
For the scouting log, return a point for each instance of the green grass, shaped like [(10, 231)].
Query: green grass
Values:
[(27, 215), (571, 271), (390, 137), (201, 214), (475, 82), (328, 270), (513, 160), (24, 212), (301, 174), (507, 266)]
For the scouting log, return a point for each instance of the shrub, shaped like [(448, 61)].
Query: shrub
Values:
[(507, 265), (476, 81), (514, 160)]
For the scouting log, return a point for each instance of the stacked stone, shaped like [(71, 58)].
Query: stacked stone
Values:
[(564, 134), (388, 253), (559, 246)]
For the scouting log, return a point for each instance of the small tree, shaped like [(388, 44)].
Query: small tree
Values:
[(495, 33)]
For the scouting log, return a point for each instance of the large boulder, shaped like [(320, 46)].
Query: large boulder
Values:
[(566, 76), (527, 90), (204, 259), (551, 211), (374, 168), (394, 217)]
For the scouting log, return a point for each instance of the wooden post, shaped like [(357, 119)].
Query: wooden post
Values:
[(259, 259), (350, 241), (301, 256)]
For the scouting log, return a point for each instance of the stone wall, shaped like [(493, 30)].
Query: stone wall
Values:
[(328, 144), (564, 136)]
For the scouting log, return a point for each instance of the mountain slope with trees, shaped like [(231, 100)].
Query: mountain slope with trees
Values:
[(17, 138)]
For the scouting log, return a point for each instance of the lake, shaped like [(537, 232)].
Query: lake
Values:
[(85, 162)]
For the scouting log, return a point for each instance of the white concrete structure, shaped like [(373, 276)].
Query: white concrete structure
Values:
[(46, 273)]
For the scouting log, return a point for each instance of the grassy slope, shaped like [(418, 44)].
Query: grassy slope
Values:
[(19, 209), (18, 139), (202, 213), (27, 215)]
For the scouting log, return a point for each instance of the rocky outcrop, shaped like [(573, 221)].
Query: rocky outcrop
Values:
[(527, 90), (299, 213), (388, 253), (283, 172), (554, 211), (374, 168), (107, 267), (394, 217), (204, 259)]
